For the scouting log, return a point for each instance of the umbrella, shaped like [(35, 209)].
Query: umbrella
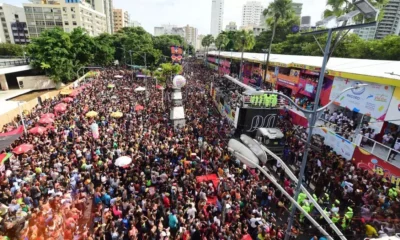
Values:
[(68, 99), (23, 148), (91, 114), (26, 112), (118, 76), (74, 93), (123, 161), (46, 120), (117, 114), (140, 89), (139, 107), (61, 107), (111, 85), (66, 92), (47, 115), (37, 130), (114, 97)]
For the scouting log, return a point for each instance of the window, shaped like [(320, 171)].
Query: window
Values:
[(3, 19), (50, 23), (59, 23), (74, 23), (73, 16), (72, 9), (16, 15), (66, 23), (64, 9)]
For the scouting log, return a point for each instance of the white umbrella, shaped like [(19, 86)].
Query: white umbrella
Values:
[(140, 89), (123, 161), (118, 76), (114, 97)]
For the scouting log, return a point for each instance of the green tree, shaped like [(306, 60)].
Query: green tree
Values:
[(277, 10), (8, 49), (207, 41), (166, 71), (220, 42), (51, 52), (244, 40), (104, 49), (83, 48), (164, 43)]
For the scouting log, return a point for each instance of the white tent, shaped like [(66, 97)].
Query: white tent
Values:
[(140, 89)]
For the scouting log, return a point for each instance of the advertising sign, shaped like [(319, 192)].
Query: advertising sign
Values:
[(307, 87), (372, 100), (286, 83), (375, 165), (393, 113), (176, 50), (340, 145), (250, 119)]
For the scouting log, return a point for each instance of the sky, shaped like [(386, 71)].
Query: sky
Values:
[(196, 13)]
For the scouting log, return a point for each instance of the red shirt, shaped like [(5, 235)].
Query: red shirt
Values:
[(166, 202)]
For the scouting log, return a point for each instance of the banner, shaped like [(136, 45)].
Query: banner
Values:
[(393, 113), (372, 100), (9, 137), (373, 164), (307, 87), (326, 90), (229, 113), (340, 145), (176, 50)]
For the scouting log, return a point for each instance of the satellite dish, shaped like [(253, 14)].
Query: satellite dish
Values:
[(243, 153)]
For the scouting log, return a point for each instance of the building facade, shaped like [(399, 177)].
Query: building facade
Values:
[(231, 27), (217, 17), (198, 42), (191, 35), (390, 21), (13, 27), (305, 22), (169, 30), (366, 33), (105, 7), (121, 19), (51, 14), (251, 13), (134, 24), (297, 7)]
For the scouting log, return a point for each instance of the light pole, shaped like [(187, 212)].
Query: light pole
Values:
[(230, 64), (252, 164), (130, 53), (265, 62), (241, 59), (327, 54), (22, 116)]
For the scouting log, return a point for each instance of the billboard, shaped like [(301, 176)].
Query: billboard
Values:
[(340, 145), (375, 165), (393, 113), (307, 87), (176, 58), (176, 50), (372, 100), (250, 119)]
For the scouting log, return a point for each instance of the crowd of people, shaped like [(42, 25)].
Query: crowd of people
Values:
[(176, 187)]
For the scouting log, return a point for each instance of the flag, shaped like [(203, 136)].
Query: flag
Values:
[(4, 157), (9, 137)]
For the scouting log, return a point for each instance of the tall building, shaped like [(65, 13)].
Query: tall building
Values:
[(169, 30), (217, 16), (42, 15), (105, 7), (367, 33), (390, 21), (199, 40), (297, 7), (191, 35), (13, 27), (231, 27), (251, 13), (134, 24), (305, 22), (121, 19)]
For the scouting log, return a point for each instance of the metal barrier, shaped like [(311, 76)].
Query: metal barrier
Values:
[(378, 149), (14, 63)]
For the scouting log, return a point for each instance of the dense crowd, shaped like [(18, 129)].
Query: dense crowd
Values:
[(68, 186)]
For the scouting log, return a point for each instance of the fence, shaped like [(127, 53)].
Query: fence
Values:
[(14, 63), (378, 149), (9, 116)]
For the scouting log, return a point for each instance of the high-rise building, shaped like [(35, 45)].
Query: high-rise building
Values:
[(42, 15), (121, 19), (297, 7), (134, 24), (305, 23), (251, 13), (105, 7), (390, 21), (13, 27), (191, 35), (367, 33), (169, 30), (231, 27), (217, 16)]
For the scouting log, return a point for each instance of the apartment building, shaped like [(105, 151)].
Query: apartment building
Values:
[(13, 28), (121, 19)]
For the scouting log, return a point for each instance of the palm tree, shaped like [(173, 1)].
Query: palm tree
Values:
[(276, 11), (220, 42), (206, 42), (244, 40)]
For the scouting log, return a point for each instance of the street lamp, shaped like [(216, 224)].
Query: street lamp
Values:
[(313, 118), (250, 163), (22, 116), (265, 51)]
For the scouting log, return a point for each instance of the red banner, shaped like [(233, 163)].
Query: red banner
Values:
[(375, 165)]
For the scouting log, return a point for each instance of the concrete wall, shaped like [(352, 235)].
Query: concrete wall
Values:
[(3, 82), (36, 82)]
